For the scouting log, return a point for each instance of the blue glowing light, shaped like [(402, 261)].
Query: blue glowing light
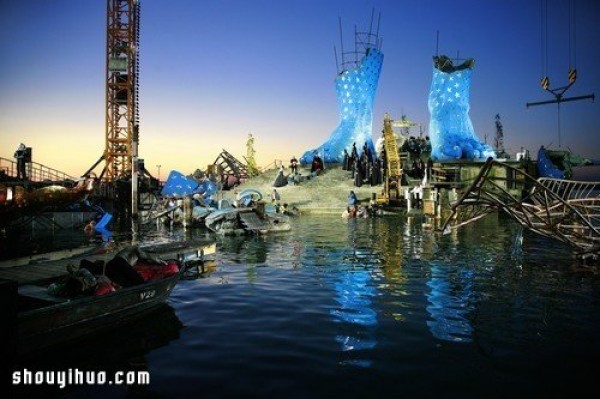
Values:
[(451, 303), (450, 128), (355, 90)]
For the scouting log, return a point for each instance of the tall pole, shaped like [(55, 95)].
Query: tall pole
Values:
[(342, 44), (121, 85), (134, 184)]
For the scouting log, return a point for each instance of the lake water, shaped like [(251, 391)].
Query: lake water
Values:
[(360, 309)]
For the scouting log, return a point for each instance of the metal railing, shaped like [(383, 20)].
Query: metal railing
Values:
[(36, 172)]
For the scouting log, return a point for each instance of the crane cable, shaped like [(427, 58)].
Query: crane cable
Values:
[(572, 21), (544, 36)]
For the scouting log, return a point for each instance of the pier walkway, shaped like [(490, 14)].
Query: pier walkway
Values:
[(43, 267)]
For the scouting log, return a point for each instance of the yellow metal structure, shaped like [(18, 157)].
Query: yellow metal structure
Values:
[(405, 125), (122, 114), (394, 164)]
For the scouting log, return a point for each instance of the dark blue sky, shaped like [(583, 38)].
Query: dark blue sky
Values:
[(214, 71)]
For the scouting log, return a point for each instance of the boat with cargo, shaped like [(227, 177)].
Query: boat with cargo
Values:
[(47, 316)]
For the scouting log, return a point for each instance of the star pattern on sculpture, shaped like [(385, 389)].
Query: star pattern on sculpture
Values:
[(451, 130), (355, 90)]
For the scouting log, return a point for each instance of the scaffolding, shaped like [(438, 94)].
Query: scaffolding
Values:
[(122, 113), (394, 165)]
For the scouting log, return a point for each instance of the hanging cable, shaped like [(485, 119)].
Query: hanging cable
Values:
[(558, 113), (559, 92), (570, 18), (546, 39), (544, 36), (543, 73), (574, 34)]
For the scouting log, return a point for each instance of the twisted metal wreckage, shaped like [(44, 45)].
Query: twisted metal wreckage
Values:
[(566, 210)]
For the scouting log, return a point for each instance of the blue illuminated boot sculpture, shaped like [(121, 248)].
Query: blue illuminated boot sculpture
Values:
[(355, 89), (450, 128)]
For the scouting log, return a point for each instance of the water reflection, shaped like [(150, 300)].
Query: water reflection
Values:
[(121, 347), (358, 307), (250, 249), (354, 292), (450, 303), (451, 298)]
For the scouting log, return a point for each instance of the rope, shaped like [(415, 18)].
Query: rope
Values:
[(543, 36), (574, 36), (570, 18), (546, 40), (558, 113)]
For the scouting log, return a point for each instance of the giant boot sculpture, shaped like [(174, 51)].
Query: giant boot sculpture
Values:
[(450, 128), (355, 89)]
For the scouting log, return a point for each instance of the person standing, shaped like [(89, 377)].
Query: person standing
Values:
[(352, 199), (421, 168), (345, 160), (275, 197), (20, 156), (294, 165), (429, 168)]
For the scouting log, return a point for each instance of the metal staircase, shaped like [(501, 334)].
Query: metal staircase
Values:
[(394, 163)]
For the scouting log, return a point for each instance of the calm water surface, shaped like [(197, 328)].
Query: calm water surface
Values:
[(363, 308)]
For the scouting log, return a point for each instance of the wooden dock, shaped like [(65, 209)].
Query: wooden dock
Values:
[(46, 270)]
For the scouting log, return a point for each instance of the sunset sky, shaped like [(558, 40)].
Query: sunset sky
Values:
[(211, 72)]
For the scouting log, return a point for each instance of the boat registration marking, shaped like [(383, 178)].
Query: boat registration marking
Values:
[(147, 294)]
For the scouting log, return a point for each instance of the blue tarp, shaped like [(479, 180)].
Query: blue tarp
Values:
[(546, 167), (207, 188), (179, 185), (101, 225)]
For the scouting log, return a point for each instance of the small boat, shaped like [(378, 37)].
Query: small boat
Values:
[(45, 320), (249, 217), (246, 220)]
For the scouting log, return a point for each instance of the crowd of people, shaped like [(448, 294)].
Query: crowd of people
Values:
[(367, 168), (416, 146), (420, 169)]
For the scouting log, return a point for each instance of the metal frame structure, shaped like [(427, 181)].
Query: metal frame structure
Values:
[(394, 164), (568, 211), (122, 113), (230, 165), (363, 41)]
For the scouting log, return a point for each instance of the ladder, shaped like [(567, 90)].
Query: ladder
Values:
[(394, 164)]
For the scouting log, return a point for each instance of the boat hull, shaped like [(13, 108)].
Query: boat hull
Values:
[(65, 321)]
